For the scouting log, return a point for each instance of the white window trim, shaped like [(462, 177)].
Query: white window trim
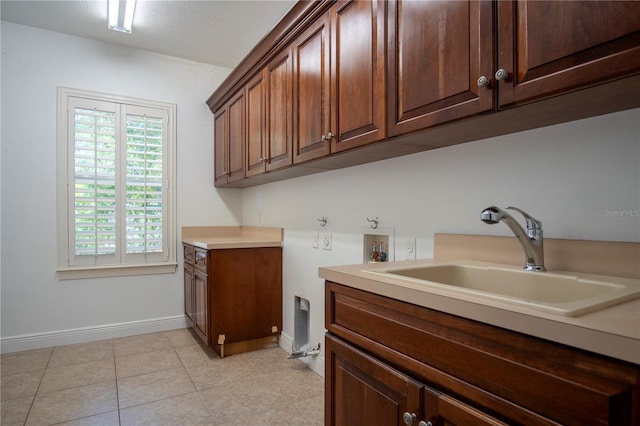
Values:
[(64, 270)]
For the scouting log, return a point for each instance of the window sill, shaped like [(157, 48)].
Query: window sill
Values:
[(82, 272)]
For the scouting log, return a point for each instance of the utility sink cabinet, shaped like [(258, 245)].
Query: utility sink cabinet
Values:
[(233, 295), (390, 362)]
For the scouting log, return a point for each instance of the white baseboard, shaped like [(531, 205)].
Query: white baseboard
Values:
[(89, 334), (316, 363), (286, 342)]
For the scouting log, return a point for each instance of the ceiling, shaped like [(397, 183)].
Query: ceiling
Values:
[(218, 32)]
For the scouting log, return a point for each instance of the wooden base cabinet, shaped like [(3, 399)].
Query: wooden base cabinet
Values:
[(200, 304), (196, 290), (367, 391), (394, 363), (234, 295)]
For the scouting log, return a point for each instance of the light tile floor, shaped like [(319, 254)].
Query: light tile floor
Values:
[(162, 379)]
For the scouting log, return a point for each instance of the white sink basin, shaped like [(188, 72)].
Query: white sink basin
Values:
[(564, 293)]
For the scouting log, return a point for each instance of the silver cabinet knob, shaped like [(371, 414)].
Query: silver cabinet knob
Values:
[(483, 81), (423, 423), (323, 138), (329, 136), (501, 74), (409, 418)]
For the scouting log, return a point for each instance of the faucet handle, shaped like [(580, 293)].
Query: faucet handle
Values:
[(533, 224)]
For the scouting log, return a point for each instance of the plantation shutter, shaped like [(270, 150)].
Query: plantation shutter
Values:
[(145, 183), (92, 189), (117, 184)]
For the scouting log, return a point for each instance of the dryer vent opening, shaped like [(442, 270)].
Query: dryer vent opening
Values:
[(302, 309), (301, 323)]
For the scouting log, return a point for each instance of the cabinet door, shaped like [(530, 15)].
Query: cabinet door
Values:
[(361, 390), (279, 143), (437, 52), (358, 91), (221, 140), (268, 291), (442, 410), (311, 97), (233, 302), (550, 47), (256, 98), (201, 305), (236, 144), (188, 292)]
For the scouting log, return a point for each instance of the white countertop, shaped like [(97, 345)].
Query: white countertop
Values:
[(230, 237), (613, 331)]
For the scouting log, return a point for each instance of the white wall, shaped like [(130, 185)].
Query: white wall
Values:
[(573, 177), (35, 304)]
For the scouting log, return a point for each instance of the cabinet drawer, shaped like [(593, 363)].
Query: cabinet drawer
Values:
[(189, 253), (201, 259)]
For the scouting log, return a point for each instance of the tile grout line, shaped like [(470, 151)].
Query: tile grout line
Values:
[(79, 386), (173, 348), (200, 397), (115, 374), (35, 395)]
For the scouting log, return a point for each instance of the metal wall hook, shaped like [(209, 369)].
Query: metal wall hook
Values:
[(373, 222), (323, 221)]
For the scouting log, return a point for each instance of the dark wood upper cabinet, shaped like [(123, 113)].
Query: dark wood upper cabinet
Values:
[(339, 69), (311, 96), (229, 143), (220, 149), (236, 137), (338, 75), (551, 47), (279, 130), (358, 60), (437, 52), (269, 118), (256, 99)]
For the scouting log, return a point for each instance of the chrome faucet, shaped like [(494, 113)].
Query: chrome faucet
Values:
[(531, 241)]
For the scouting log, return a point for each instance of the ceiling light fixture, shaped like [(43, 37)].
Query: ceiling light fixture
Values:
[(121, 22)]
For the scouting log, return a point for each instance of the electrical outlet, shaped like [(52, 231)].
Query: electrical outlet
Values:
[(411, 248), (316, 239), (325, 240)]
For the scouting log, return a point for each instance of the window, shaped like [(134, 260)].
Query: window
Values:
[(116, 180)]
